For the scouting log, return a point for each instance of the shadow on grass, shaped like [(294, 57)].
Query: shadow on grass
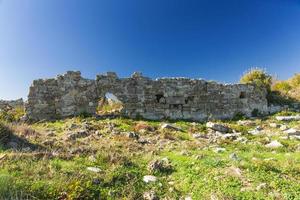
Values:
[(278, 98), (9, 140)]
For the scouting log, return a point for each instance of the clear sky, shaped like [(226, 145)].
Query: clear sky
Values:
[(210, 39)]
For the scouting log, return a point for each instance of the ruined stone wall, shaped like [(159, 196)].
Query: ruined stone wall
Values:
[(11, 104), (171, 98)]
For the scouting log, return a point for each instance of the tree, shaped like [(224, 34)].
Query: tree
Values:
[(258, 77)]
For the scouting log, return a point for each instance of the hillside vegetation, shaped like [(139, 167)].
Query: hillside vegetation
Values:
[(289, 88), (89, 158)]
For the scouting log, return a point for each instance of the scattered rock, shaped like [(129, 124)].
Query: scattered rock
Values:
[(98, 133), (261, 186), (143, 141), (132, 135), (72, 126), (197, 135), (288, 118), (188, 198), (150, 196), (184, 153), (284, 127), (234, 157), (76, 150), (143, 127), (234, 171), (198, 157), (284, 137), (96, 181), (162, 165), (149, 178), (77, 134), (274, 125), (274, 144), (170, 127), (256, 131), (218, 127), (115, 132), (292, 132), (229, 136), (94, 169), (92, 158), (246, 123), (219, 150), (297, 137)]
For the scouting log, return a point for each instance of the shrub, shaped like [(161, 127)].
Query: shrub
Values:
[(258, 77), (12, 114), (282, 87), (286, 92), (295, 80)]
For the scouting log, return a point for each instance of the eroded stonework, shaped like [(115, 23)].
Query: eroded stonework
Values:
[(166, 98)]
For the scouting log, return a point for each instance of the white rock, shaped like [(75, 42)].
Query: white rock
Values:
[(170, 126), (246, 123), (188, 198), (218, 127), (94, 169), (297, 137), (197, 135), (288, 118), (254, 132), (283, 127), (261, 186), (284, 137), (274, 125), (234, 171), (233, 156), (150, 196), (219, 150), (149, 178), (231, 136), (92, 158), (292, 131), (274, 144)]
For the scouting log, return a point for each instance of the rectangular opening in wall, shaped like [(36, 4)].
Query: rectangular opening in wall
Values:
[(160, 98), (109, 104), (242, 95)]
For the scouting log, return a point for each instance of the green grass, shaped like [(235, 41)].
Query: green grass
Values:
[(198, 171)]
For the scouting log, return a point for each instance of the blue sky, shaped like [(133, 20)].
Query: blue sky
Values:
[(210, 39)]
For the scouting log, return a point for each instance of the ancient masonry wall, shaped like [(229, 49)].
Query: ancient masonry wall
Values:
[(165, 98)]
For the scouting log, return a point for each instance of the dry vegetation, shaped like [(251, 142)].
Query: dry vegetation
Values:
[(86, 158)]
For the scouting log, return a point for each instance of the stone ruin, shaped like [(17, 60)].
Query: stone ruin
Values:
[(165, 98), (4, 105)]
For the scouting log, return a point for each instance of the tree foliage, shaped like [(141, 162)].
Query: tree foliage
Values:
[(258, 77)]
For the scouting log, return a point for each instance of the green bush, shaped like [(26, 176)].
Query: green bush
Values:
[(295, 80), (258, 77), (282, 87), (13, 114)]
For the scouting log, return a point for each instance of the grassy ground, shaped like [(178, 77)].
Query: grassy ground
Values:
[(56, 167)]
